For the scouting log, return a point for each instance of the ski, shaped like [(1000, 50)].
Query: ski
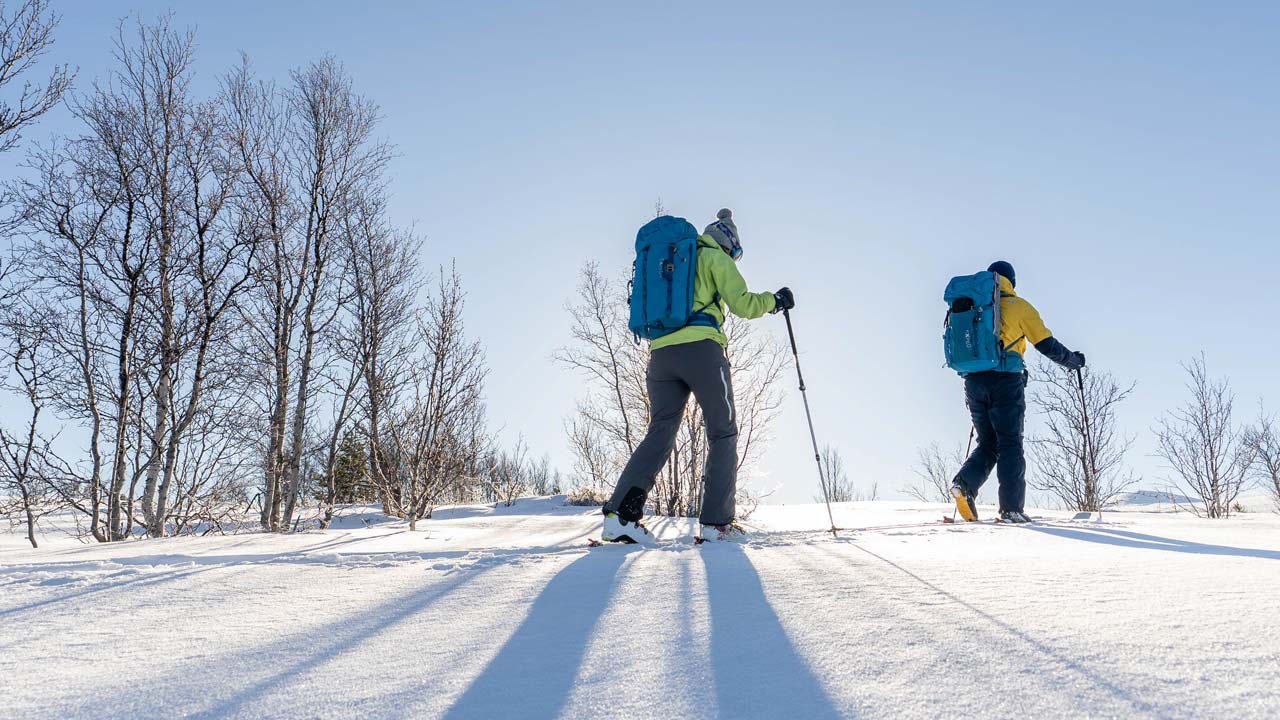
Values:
[(596, 542), (989, 521)]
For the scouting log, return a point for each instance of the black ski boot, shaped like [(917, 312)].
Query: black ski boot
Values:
[(1014, 516)]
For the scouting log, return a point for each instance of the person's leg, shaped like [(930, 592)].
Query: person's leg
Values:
[(978, 466), (707, 374), (1008, 414), (668, 395)]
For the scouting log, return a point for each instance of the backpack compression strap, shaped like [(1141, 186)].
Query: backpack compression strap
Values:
[(705, 319)]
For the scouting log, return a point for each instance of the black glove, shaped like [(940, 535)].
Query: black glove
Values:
[(783, 300), (1075, 361)]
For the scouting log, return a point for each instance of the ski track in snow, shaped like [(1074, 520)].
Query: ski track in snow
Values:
[(489, 613)]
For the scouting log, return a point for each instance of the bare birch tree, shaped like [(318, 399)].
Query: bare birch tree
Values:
[(201, 265), (224, 299), (1202, 445), (509, 473), (433, 439), (1079, 457), (311, 160), (385, 281), (88, 252), (1263, 442), (342, 383), (23, 451), (934, 471), (840, 487), (541, 481)]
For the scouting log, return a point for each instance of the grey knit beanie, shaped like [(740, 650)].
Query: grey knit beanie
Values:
[(725, 232)]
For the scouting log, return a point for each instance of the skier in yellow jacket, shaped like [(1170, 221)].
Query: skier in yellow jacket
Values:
[(997, 403)]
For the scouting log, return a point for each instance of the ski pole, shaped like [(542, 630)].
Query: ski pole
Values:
[(1087, 461), (817, 455)]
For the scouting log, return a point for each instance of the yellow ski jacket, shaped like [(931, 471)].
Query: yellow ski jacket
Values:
[(1019, 320)]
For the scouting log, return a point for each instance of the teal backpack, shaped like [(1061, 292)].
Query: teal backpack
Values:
[(971, 332), (663, 276)]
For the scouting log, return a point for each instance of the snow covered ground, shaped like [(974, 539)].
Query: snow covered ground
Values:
[(505, 614)]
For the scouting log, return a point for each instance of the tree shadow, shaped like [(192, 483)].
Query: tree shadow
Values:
[(1127, 538), (183, 566), (108, 584), (333, 641), (534, 672), (758, 673)]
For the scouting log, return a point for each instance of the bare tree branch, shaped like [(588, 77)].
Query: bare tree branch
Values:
[(26, 36)]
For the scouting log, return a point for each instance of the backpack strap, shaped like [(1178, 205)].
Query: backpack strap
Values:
[(705, 319), (701, 317), (1001, 295)]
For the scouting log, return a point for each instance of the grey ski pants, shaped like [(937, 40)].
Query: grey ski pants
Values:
[(674, 372)]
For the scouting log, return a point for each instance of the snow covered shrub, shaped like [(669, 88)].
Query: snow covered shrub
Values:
[(586, 496)]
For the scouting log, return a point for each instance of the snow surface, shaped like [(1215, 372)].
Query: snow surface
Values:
[(503, 613)]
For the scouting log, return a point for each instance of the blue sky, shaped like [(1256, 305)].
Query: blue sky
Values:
[(1124, 156)]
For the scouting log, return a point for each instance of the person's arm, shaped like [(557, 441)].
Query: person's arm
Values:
[(1057, 352), (1045, 343), (733, 290)]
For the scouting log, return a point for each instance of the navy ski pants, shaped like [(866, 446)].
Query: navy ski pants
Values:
[(997, 402)]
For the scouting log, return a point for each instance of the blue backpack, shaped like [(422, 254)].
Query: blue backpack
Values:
[(971, 333), (664, 272)]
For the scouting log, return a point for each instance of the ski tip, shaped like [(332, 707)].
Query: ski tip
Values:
[(592, 542)]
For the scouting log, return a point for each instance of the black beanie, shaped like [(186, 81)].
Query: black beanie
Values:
[(1002, 268)]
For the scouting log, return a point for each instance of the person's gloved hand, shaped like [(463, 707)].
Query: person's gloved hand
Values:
[(783, 300), (1076, 361)]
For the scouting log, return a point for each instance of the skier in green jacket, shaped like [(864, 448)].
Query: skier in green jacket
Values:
[(693, 360)]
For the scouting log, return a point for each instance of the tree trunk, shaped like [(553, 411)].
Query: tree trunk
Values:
[(293, 474)]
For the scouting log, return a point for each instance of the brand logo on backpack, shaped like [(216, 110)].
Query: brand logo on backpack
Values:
[(971, 339), (663, 277)]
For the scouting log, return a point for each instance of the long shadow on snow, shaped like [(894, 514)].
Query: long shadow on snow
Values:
[(533, 674), (1008, 630), (153, 559), (758, 672), (204, 563), (107, 584), (335, 639), (1127, 538)]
